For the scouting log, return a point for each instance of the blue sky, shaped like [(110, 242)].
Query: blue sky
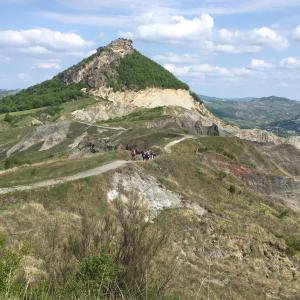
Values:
[(227, 48)]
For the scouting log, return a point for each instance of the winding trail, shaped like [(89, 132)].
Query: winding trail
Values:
[(52, 182), (84, 174), (169, 146)]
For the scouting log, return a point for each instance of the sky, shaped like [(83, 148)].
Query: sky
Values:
[(222, 48)]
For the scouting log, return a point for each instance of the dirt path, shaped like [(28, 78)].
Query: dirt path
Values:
[(52, 182), (89, 173), (168, 147), (101, 126)]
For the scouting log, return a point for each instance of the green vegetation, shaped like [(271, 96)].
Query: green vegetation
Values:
[(49, 93), (98, 249), (9, 265), (141, 114), (82, 269), (196, 97), (138, 72)]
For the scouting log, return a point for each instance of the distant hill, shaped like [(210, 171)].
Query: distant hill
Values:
[(4, 93), (276, 114)]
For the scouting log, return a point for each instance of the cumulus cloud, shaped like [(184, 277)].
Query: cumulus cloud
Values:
[(259, 64), (250, 41), (290, 63), (269, 37), (42, 38), (177, 28)]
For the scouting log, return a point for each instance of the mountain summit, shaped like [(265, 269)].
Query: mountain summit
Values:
[(116, 67)]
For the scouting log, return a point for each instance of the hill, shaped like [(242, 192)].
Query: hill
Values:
[(126, 69), (275, 114), (214, 215)]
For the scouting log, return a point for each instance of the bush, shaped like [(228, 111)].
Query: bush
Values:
[(8, 118), (9, 264), (293, 245), (232, 189), (98, 272), (11, 162), (196, 97)]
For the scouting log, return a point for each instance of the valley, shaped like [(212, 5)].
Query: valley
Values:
[(275, 114)]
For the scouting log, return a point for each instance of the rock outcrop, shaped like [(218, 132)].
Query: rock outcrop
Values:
[(98, 69)]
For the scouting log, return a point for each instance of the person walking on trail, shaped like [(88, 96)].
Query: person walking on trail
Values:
[(133, 153)]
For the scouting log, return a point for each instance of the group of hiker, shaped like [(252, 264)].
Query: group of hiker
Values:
[(146, 155)]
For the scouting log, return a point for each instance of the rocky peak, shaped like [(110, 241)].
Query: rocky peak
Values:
[(121, 46), (99, 67)]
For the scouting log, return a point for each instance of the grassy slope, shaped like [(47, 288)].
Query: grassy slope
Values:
[(234, 245)]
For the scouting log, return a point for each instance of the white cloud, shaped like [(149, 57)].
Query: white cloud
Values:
[(296, 33), (259, 64), (233, 48), (290, 63), (48, 65), (207, 70), (250, 41), (176, 28), (268, 37), (42, 38)]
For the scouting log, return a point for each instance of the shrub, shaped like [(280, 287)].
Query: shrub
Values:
[(293, 245), (9, 264), (11, 162), (232, 189), (8, 118), (98, 272), (196, 97)]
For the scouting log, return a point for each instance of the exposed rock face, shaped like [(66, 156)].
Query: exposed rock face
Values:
[(95, 146), (100, 67), (287, 157), (50, 136), (257, 135), (285, 188), (295, 141)]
